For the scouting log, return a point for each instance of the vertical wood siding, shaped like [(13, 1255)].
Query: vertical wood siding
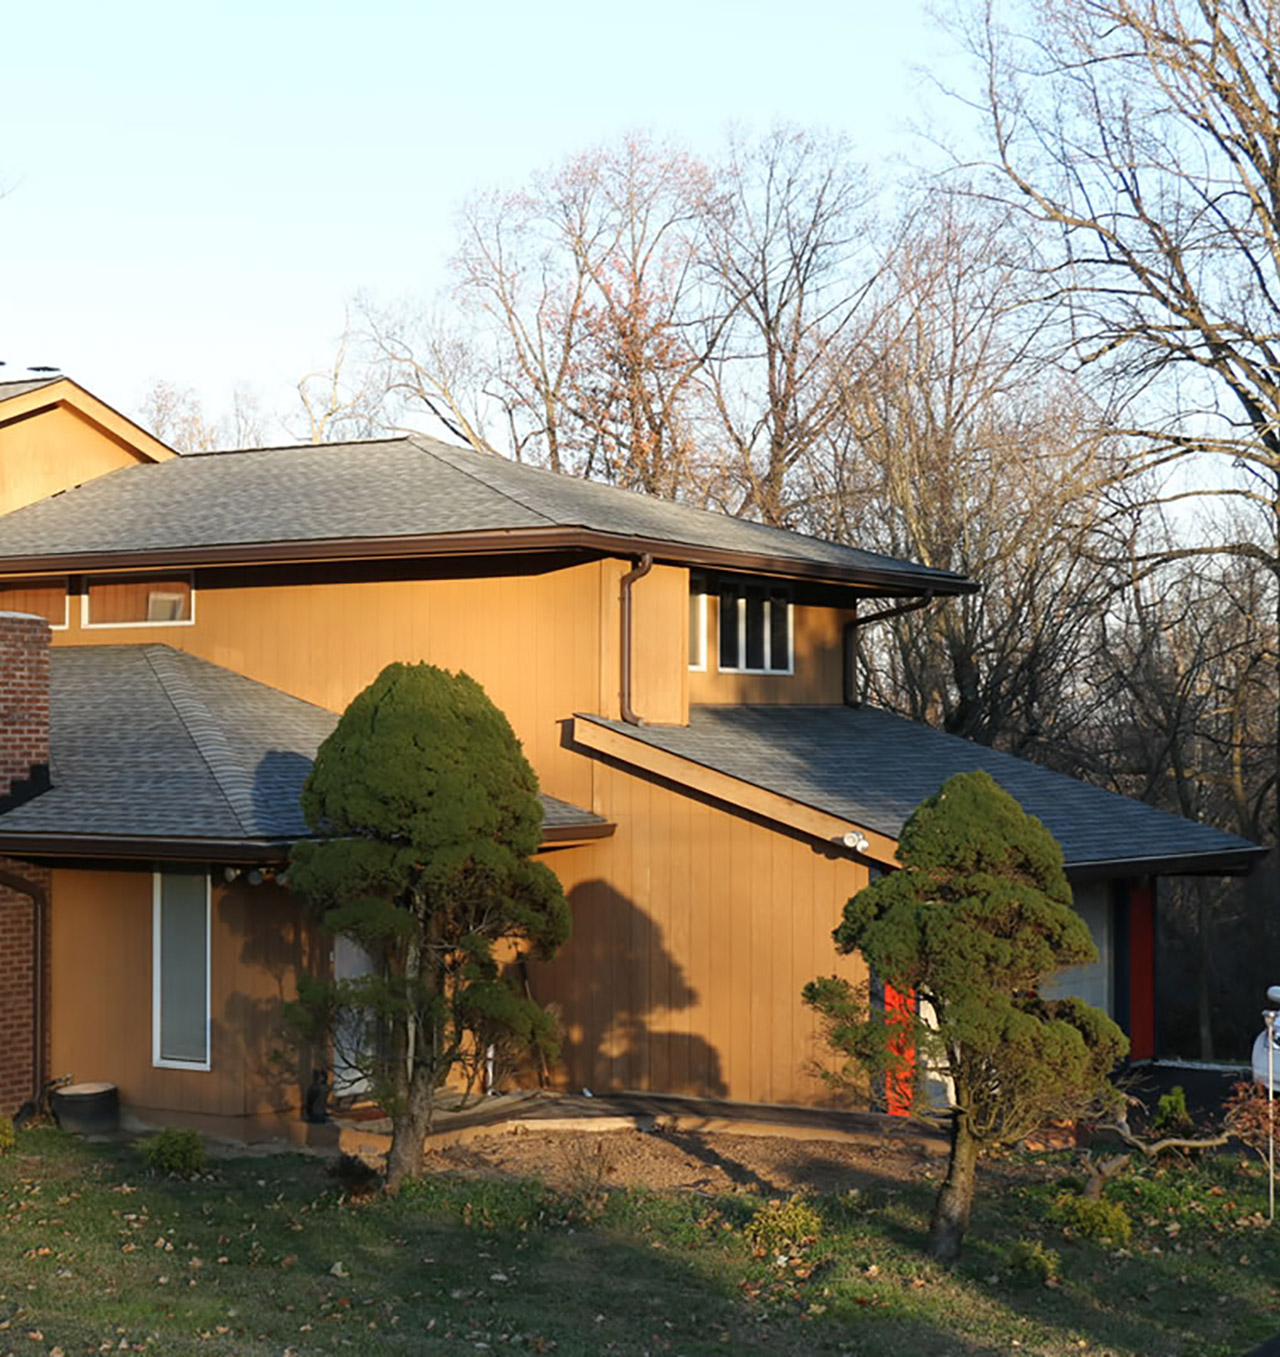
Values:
[(101, 945), (695, 930)]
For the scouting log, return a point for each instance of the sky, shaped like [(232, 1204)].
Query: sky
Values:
[(193, 193)]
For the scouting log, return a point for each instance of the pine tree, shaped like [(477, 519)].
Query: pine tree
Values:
[(976, 919), (425, 817)]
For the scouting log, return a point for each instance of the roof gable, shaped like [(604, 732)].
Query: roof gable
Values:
[(55, 435)]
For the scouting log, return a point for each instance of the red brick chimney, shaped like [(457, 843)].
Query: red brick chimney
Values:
[(24, 708)]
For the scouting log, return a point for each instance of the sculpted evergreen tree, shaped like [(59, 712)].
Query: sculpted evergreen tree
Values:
[(976, 919), (426, 817)]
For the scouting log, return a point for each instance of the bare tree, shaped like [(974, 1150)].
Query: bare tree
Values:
[(176, 416), (958, 444), (344, 399), (1141, 136), (791, 262)]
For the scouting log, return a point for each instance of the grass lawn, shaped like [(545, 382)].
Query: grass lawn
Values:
[(97, 1254)]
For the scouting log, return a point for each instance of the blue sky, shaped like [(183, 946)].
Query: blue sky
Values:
[(194, 192)]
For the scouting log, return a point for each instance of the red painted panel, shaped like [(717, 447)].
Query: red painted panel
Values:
[(1142, 972), (899, 1010)]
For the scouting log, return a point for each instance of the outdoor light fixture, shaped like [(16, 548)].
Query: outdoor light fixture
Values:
[(858, 842)]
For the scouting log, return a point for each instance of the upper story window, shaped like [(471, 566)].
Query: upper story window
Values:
[(43, 598), (138, 601), (755, 628), (697, 623)]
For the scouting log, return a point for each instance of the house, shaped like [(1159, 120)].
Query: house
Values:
[(179, 633)]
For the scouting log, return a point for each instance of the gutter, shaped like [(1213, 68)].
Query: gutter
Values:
[(39, 910), (887, 579), (851, 633), (104, 848), (638, 572)]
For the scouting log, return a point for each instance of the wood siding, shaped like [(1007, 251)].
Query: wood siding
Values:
[(44, 450), (101, 954), (695, 930), (818, 676)]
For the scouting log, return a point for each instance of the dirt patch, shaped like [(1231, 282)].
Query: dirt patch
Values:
[(685, 1161)]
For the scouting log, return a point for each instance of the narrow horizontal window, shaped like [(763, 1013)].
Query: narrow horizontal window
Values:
[(180, 959), (755, 629), (138, 602), (42, 598)]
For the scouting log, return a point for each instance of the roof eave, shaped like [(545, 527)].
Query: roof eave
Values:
[(107, 847), (1218, 862), (885, 580)]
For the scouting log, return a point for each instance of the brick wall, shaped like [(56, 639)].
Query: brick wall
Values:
[(17, 975), (24, 772), (24, 707)]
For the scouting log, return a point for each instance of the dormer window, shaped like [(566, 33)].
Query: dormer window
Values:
[(755, 628)]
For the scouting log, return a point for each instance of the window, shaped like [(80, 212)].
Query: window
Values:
[(44, 598), (755, 629), (697, 623), (142, 601), (180, 965)]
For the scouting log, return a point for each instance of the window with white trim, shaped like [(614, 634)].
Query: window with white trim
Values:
[(755, 628), (180, 969), (697, 623), (138, 601)]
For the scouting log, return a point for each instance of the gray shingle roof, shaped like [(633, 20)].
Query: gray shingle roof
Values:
[(872, 769), (404, 487), (8, 390), (149, 743)]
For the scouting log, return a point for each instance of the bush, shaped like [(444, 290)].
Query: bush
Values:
[(174, 1151), (1171, 1111), (783, 1227), (1030, 1260), (8, 1138), (1101, 1220)]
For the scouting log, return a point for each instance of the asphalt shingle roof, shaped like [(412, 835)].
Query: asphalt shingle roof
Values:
[(148, 742), (872, 769), (8, 390), (404, 487)]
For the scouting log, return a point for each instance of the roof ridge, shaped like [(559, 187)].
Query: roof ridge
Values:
[(205, 732), (298, 447), (417, 441)]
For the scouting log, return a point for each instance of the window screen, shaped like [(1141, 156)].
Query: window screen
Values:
[(182, 968)]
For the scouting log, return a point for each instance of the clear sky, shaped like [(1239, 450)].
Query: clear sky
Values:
[(194, 191)]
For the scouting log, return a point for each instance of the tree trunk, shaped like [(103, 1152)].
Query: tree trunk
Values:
[(408, 1131), (955, 1200)]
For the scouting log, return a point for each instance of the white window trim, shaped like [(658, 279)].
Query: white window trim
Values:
[(65, 624), (768, 636), (86, 625), (157, 1060), (701, 666)]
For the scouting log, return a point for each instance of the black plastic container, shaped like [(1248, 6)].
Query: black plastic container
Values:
[(87, 1109)]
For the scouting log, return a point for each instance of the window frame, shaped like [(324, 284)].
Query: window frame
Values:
[(87, 625), (8, 581), (769, 590), (698, 590), (158, 1061)]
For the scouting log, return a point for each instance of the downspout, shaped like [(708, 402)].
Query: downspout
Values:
[(39, 905), (640, 570), (851, 631)]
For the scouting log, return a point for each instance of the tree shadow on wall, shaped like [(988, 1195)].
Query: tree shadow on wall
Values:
[(630, 1015)]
